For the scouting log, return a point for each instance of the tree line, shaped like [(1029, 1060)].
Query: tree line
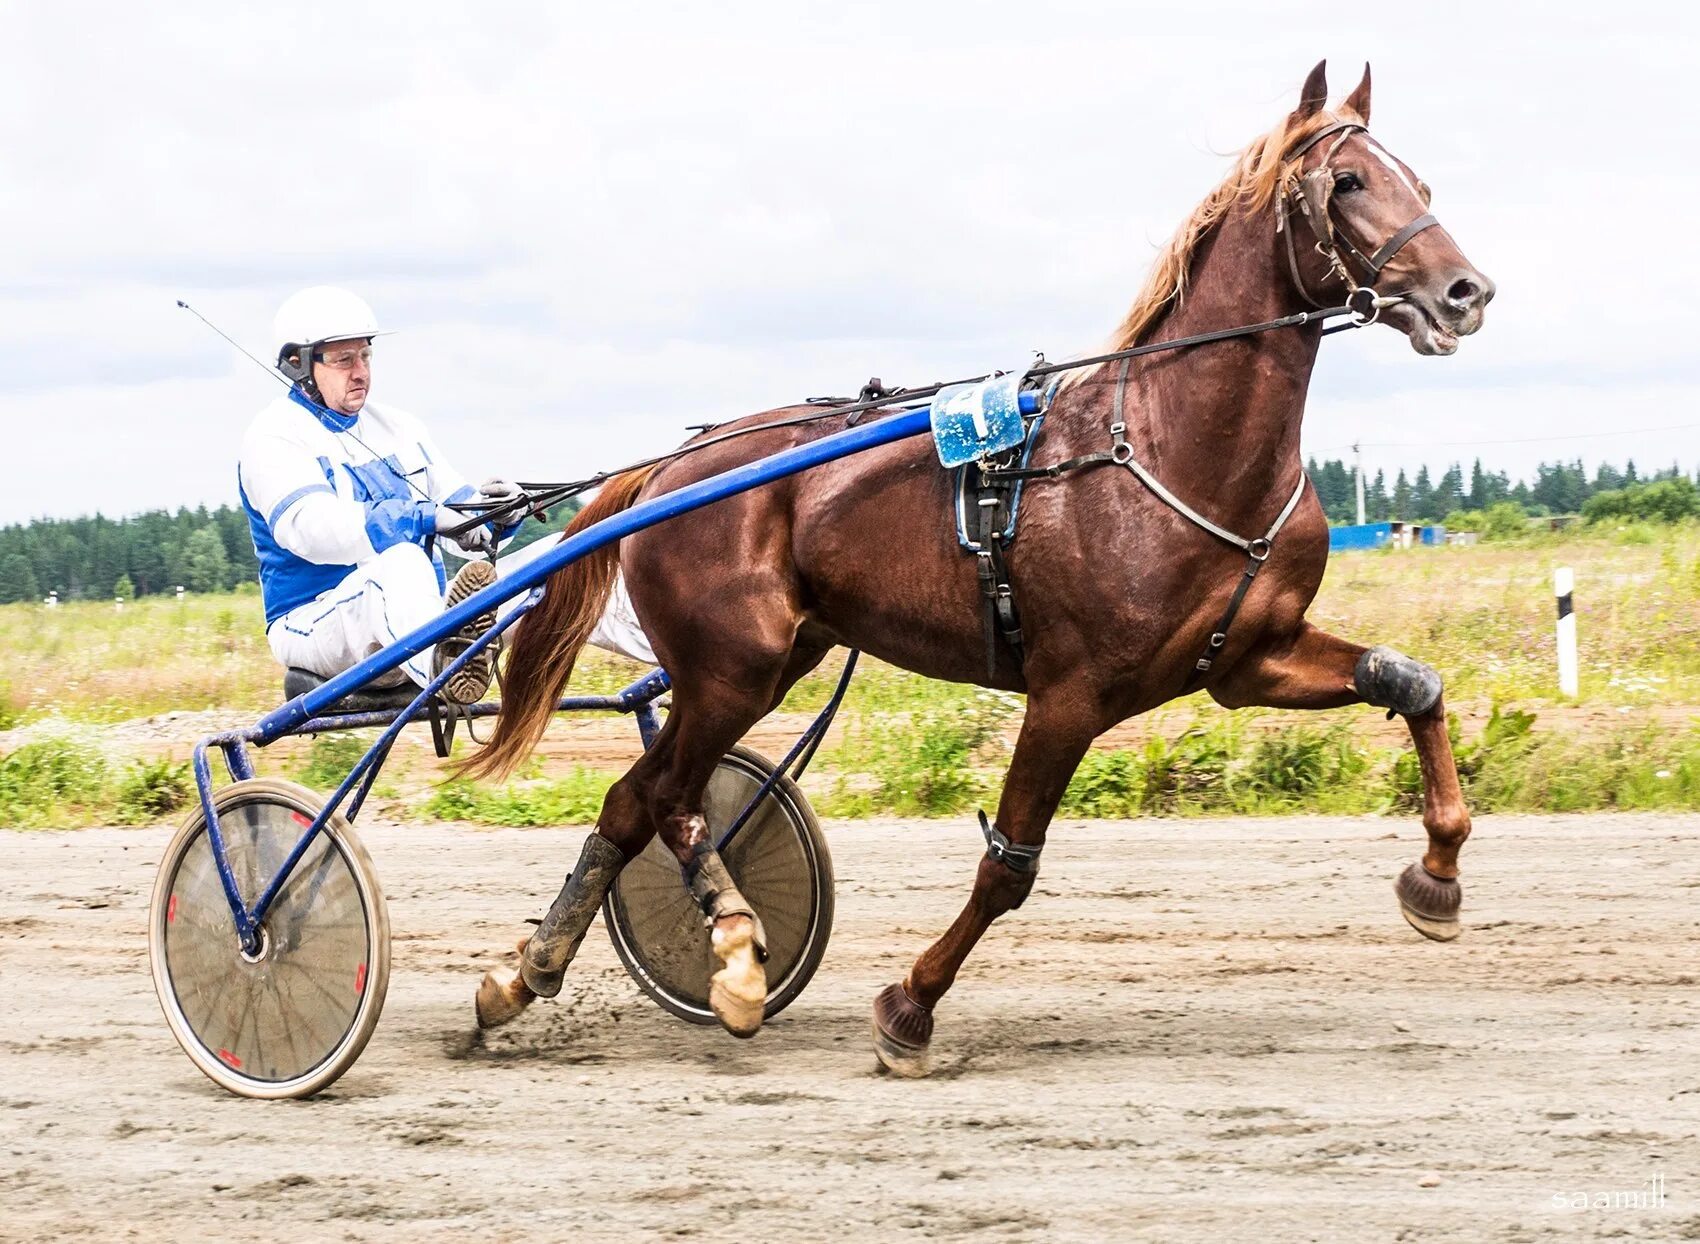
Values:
[(206, 550), (149, 554), (1558, 488)]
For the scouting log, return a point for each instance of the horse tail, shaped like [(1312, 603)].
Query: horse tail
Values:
[(548, 640)]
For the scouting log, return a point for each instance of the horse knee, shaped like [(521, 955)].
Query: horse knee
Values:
[(1387, 678), (999, 888)]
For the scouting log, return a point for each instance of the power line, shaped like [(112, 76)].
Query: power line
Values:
[(1510, 440)]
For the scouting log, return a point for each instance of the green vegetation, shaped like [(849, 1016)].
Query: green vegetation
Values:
[(921, 762), (65, 782), (575, 799), (910, 747), (1558, 488), (1663, 501), (1509, 767)]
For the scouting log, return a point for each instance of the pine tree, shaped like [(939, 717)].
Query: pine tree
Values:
[(1403, 506), (1449, 493), (1422, 496), (1375, 498), (203, 561), (17, 579)]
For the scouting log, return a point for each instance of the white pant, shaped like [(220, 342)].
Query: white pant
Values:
[(396, 592)]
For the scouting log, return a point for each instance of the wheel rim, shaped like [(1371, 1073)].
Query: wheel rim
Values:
[(277, 1015), (660, 926)]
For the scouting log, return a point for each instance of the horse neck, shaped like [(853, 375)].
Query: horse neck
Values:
[(1219, 423)]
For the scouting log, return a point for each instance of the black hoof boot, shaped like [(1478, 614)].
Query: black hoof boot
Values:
[(903, 1029), (1430, 903)]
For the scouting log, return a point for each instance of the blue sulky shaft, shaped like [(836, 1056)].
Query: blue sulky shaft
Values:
[(695, 496), (645, 514)]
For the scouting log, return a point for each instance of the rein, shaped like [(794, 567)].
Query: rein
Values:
[(1364, 304)]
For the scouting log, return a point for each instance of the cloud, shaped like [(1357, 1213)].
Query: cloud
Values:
[(595, 225)]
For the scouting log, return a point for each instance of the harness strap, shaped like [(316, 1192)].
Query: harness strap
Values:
[(1120, 453), (997, 592), (1391, 247)]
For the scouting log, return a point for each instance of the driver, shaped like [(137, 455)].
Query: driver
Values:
[(345, 498)]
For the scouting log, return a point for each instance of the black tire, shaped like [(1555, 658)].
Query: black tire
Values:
[(289, 1021), (779, 860)]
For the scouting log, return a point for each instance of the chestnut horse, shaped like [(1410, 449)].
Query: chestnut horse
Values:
[(1119, 590)]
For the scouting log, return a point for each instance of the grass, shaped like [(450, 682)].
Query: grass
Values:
[(1483, 615), (66, 781)]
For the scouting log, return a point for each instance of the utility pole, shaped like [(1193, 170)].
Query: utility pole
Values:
[(1358, 469)]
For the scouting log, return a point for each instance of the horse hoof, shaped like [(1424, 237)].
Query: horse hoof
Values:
[(738, 991), (502, 995), (1430, 904), (903, 1029)]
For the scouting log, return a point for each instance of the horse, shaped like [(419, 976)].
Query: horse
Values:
[(1121, 583)]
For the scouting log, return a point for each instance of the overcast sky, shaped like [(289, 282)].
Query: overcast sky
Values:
[(593, 225)]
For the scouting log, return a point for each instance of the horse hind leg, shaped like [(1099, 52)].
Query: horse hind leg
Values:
[(712, 714), (623, 829), (737, 992)]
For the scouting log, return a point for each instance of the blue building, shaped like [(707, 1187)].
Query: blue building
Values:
[(1384, 535)]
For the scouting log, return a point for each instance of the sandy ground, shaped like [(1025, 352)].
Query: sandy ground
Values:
[(1193, 1030)]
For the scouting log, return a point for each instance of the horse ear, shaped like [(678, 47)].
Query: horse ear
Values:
[(1314, 93), (1358, 100)]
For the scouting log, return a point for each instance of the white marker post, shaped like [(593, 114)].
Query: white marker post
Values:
[(1563, 585), (118, 604), (179, 593)]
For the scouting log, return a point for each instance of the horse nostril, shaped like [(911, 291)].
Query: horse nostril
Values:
[(1463, 292)]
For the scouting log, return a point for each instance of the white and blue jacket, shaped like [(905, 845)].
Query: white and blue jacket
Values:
[(327, 492)]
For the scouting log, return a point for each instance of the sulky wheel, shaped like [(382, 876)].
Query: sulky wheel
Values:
[(780, 862), (290, 1019)]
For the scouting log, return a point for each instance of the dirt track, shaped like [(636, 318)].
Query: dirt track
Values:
[(1193, 1030)]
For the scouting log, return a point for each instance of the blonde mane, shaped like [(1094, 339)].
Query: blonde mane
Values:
[(1253, 182)]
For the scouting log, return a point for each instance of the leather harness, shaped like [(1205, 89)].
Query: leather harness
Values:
[(997, 484)]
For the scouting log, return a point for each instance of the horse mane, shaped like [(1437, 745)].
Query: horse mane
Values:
[(1253, 181)]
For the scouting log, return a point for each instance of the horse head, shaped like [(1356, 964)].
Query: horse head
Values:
[(1356, 218)]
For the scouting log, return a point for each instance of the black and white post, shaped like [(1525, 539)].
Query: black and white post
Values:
[(1563, 586)]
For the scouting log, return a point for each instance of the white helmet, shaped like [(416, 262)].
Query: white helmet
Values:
[(311, 318)]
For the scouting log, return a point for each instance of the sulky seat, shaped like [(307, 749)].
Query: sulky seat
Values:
[(297, 682)]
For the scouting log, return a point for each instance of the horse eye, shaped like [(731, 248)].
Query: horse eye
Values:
[(1346, 183), (1424, 193)]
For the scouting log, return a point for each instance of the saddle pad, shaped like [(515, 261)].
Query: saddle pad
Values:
[(971, 421)]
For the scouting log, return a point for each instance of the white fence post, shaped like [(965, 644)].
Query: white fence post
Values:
[(1563, 585)]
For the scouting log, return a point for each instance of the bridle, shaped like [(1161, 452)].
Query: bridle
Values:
[(1309, 195)]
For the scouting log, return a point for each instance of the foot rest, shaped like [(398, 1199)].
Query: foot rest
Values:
[(297, 682)]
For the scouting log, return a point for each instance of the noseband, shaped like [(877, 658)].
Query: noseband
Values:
[(1310, 195)]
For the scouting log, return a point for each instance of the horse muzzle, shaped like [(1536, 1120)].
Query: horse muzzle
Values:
[(1435, 315)]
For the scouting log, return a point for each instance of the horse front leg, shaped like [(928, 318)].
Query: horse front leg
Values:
[(1313, 669), (1047, 751)]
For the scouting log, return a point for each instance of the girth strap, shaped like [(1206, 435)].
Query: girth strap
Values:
[(997, 593)]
